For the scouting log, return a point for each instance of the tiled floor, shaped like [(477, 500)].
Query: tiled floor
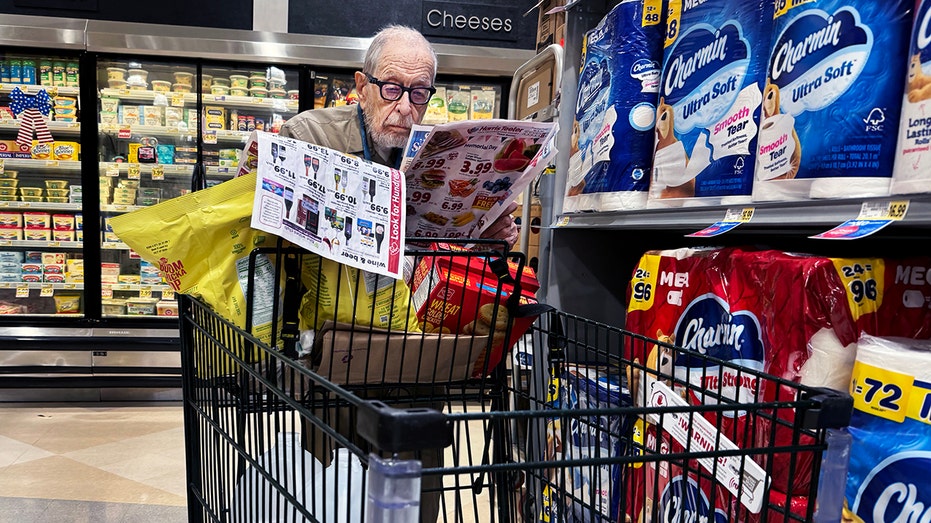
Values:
[(97, 463)]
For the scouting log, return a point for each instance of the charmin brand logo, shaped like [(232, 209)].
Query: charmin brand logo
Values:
[(709, 328), (172, 272), (642, 66), (594, 81), (896, 490), (704, 73), (923, 27), (683, 502), (817, 58)]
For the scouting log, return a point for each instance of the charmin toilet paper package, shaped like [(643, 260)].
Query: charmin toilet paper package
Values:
[(913, 162), (832, 99), (708, 114), (611, 153), (769, 311), (890, 458)]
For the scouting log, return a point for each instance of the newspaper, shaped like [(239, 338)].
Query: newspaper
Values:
[(462, 176), (332, 204)]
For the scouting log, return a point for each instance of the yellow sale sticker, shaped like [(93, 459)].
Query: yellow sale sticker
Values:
[(22, 290), (158, 172), (864, 279), (652, 12), (880, 392), (643, 284), (46, 290), (919, 402), (134, 171), (673, 19)]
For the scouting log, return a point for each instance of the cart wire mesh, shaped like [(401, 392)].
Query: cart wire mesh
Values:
[(575, 422)]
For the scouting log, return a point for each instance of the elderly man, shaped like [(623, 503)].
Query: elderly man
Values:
[(394, 86)]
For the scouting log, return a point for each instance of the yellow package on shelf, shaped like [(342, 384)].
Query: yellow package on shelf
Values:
[(201, 243)]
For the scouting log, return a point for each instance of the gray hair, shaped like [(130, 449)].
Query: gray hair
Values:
[(394, 33)]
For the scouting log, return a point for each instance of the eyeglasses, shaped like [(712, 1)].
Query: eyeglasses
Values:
[(393, 92)]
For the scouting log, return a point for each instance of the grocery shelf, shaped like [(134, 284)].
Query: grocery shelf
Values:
[(136, 287), (155, 130), (772, 215), (39, 244), (42, 165), (116, 246), (148, 95), (57, 128), (41, 206), (284, 105), (32, 89), (170, 169), (43, 285)]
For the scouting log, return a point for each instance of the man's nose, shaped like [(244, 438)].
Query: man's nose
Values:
[(405, 107)]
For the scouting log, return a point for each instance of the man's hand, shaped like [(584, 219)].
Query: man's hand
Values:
[(504, 227)]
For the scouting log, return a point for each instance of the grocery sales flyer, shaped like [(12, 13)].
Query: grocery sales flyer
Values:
[(332, 204), (462, 175)]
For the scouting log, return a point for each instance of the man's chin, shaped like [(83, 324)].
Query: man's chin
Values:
[(392, 140)]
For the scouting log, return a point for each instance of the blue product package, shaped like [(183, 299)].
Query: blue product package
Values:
[(707, 119), (890, 455), (592, 493), (912, 172), (612, 139), (833, 98)]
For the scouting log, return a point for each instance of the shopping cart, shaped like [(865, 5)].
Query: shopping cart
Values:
[(368, 423)]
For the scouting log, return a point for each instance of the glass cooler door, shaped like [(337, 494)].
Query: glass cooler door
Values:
[(41, 227), (147, 114)]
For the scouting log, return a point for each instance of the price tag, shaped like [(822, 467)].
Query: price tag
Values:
[(1, 166), (168, 294), (106, 293), (880, 392), (884, 210), (113, 170), (145, 292), (732, 219), (46, 290), (54, 244), (562, 222), (125, 133), (210, 137), (873, 217), (51, 163), (6, 243), (259, 101), (158, 172), (22, 290), (177, 100), (134, 171)]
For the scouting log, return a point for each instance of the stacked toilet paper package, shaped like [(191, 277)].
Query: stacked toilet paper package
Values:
[(721, 102), (848, 324)]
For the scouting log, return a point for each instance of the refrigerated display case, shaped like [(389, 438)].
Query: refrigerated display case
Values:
[(159, 110)]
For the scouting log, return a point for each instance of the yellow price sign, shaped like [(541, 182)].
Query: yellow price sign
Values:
[(898, 209), (177, 100), (210, 137), (1, 166), (46, 290), (168, 294), (51, 163), (22, 290), (145, 292), (106, 293), (884, 210), (739, 215), (134, 171), (158, 172)]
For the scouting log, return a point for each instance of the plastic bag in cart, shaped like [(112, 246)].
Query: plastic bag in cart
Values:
[(331, 494)]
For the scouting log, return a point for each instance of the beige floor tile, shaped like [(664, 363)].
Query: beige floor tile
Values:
[(58, 477), (13, 451)]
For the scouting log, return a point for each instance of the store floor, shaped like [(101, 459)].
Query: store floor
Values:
[(95, 463)]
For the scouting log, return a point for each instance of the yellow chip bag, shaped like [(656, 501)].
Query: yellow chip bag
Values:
[(201, 243), (341, 293)]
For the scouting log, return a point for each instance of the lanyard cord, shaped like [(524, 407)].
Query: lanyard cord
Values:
[(366, 152)]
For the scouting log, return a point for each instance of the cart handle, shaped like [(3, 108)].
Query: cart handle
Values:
[(403, 430), (832, 410)]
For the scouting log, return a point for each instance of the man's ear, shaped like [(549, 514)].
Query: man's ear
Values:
[(361, 81)]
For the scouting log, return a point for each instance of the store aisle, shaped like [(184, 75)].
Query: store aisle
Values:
[(100, 463)]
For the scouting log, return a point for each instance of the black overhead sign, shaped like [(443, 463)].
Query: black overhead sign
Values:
[(77, 5), (472, 21)]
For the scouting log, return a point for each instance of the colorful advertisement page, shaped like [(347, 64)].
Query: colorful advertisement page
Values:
[(332, 204), (462, 176)]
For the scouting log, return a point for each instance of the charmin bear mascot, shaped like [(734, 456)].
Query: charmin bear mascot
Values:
[(666, 138), (771, 108), (919, 84)]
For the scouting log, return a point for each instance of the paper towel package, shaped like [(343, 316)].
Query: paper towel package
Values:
[(612, 139), (912, 172), (711, 89), (770, 311), (832, 100), (890, 455)]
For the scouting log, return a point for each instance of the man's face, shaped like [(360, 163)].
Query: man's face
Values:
[(389, 123)]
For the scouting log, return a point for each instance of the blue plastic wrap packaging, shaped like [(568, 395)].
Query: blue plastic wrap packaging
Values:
[(612, 139), (888, 478), (913, 162), (707, 120), (833, 99)]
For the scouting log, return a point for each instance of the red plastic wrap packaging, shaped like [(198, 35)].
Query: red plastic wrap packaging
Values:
[(761, 310), (889, 297)]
